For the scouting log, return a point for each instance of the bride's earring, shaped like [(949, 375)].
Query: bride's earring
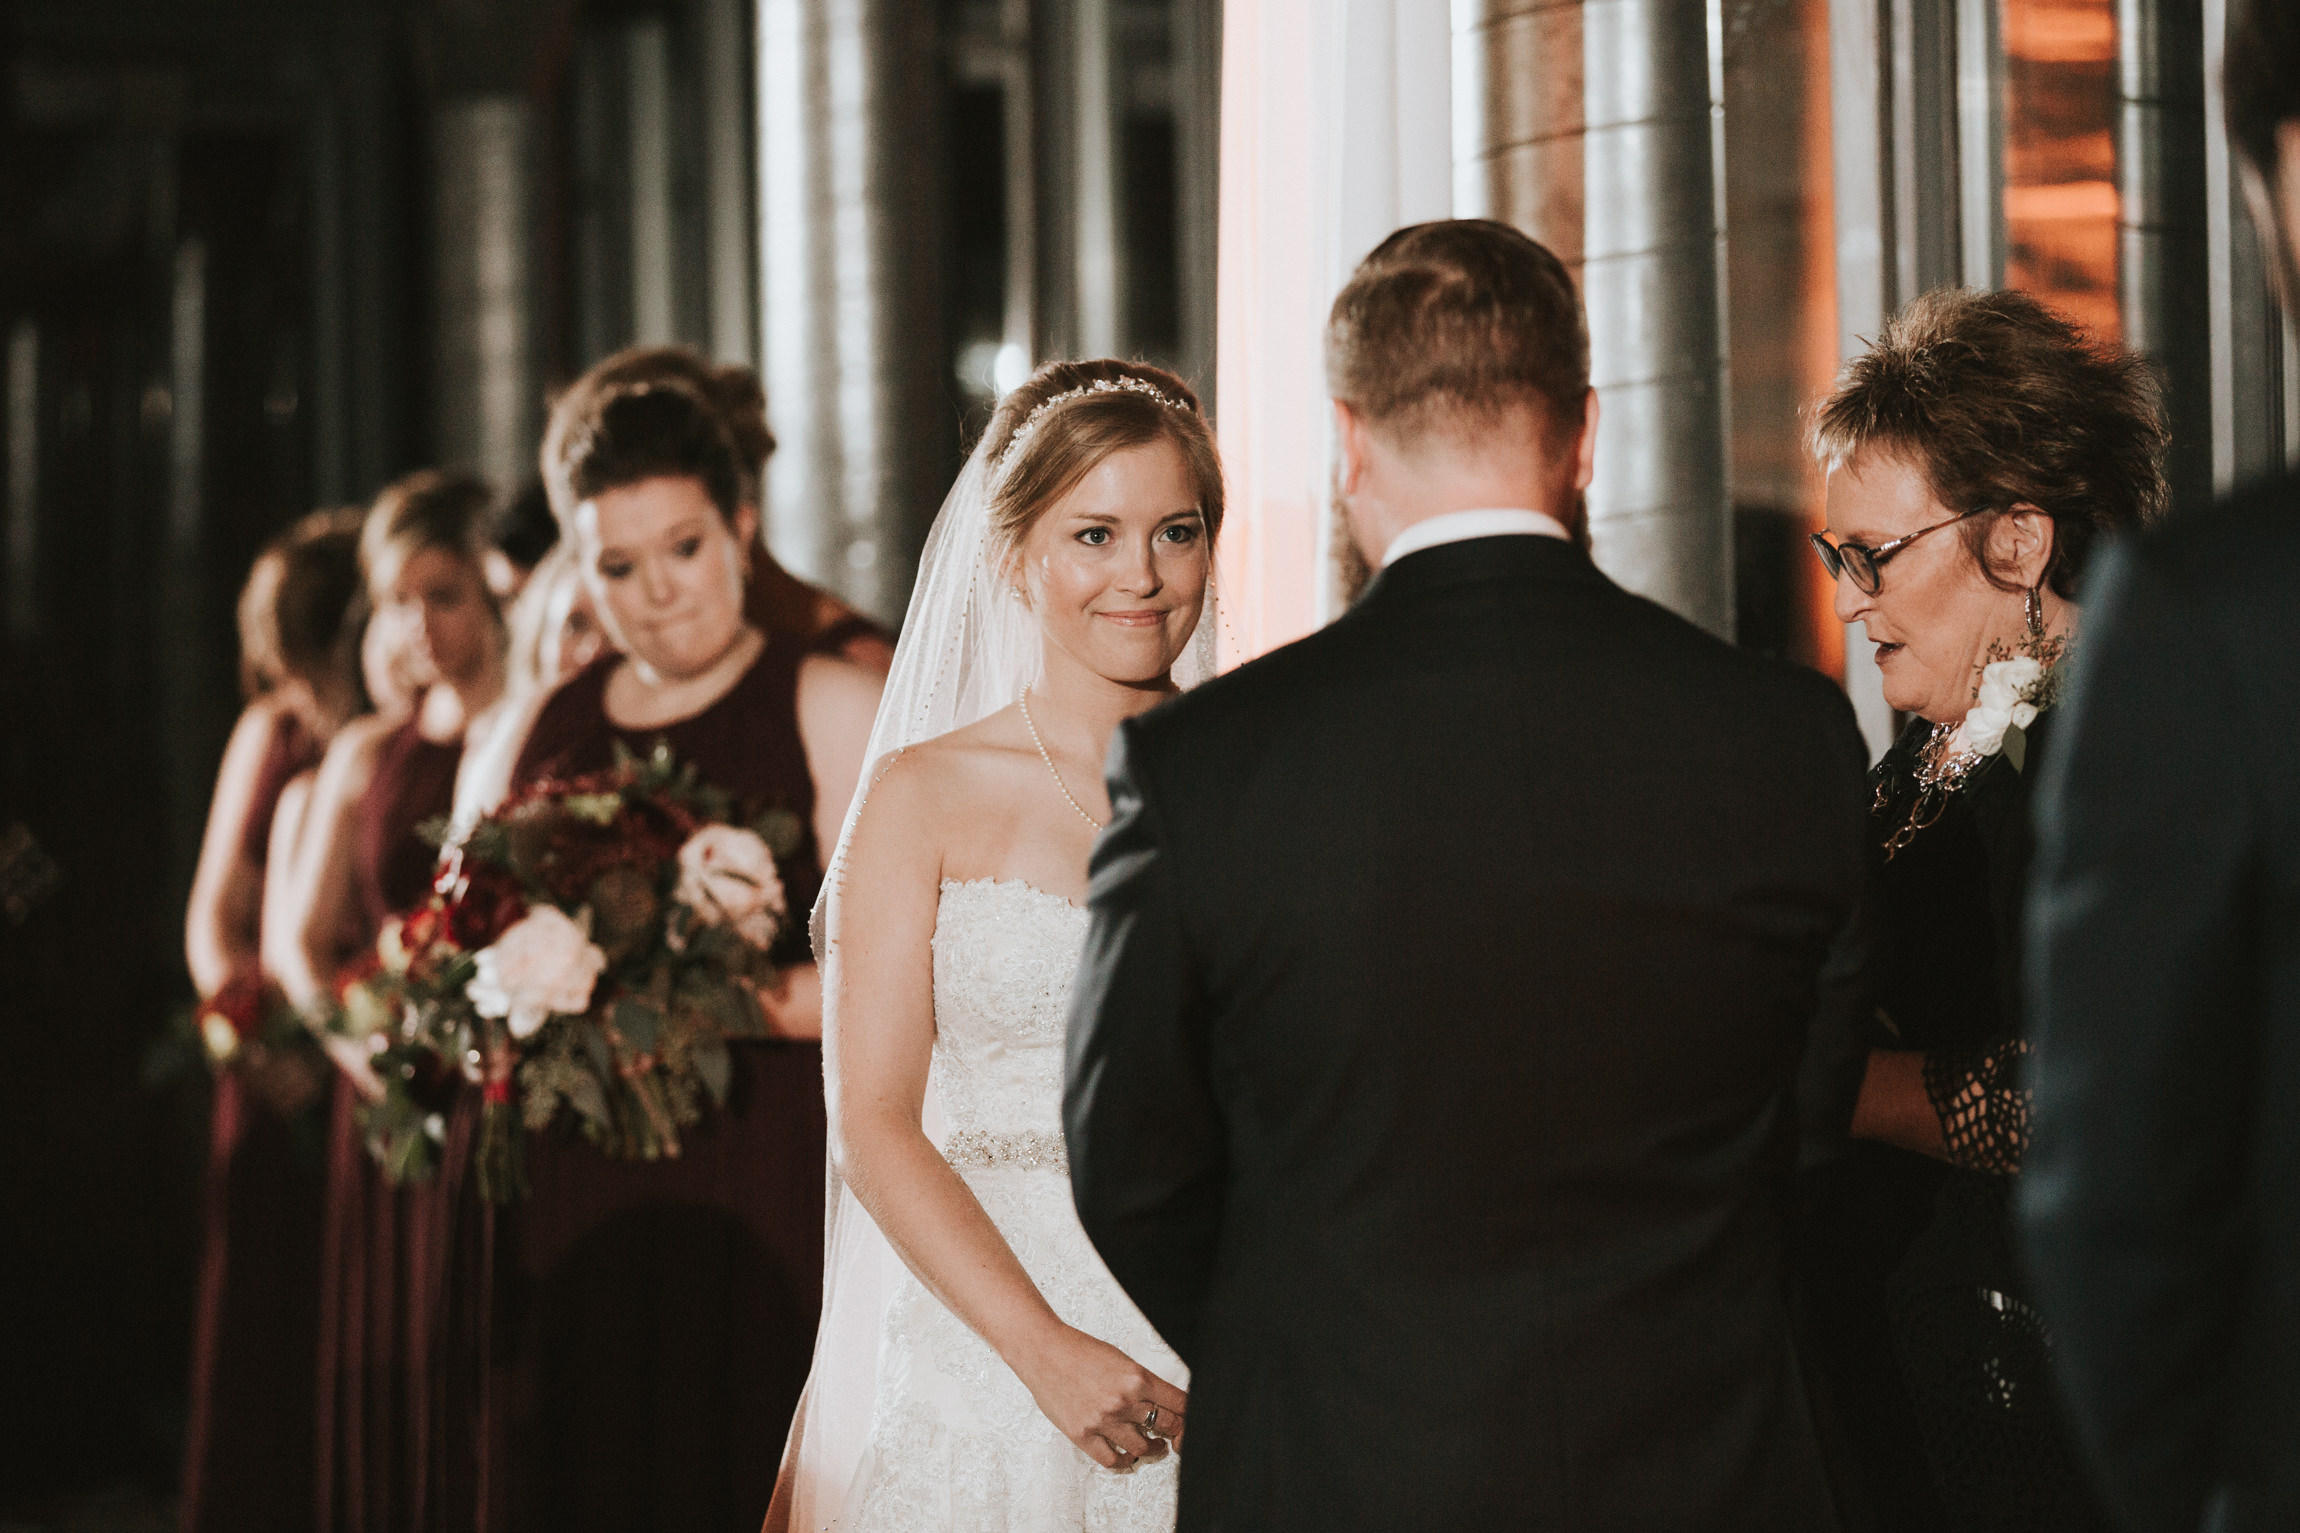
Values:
[(2035, 606)]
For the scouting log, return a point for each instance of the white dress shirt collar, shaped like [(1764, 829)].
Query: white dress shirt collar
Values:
[(1461, 526)]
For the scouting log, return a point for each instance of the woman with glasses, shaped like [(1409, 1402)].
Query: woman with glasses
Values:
[(1976, 454)]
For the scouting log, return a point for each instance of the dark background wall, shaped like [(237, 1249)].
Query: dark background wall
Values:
[(206, 281)]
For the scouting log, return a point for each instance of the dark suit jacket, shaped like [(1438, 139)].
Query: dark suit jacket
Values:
[(2161, 1195), (1432, 1073)]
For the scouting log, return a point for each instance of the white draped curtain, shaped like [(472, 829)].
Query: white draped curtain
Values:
[(1337, 127)]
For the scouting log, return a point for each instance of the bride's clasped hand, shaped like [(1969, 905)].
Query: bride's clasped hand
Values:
[(1103, 1400)]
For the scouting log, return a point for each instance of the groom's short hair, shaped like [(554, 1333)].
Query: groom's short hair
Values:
[(1455, 324)]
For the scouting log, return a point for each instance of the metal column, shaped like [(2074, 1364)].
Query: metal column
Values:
[(487, 384), (1593, 126), (852, 311), (2163, 262)]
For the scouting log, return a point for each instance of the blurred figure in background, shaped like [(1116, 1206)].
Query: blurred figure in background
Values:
[(300, 690), (391, 675), (518, 536), (554, 633), (2162, 1203), (424, 551), (1977, 454), (248, 1444)]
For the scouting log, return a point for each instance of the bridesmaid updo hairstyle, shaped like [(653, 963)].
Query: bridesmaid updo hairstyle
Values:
[(452, 512), (596, 435), (2000, 402), (1070, 416), (293, 611)]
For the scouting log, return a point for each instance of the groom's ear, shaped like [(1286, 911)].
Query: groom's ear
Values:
[(1350, 444), (1585, 446)]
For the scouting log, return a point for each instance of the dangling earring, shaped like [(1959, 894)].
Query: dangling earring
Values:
[(2035, 605)]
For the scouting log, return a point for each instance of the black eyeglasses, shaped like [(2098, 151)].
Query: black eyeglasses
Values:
[(1865, 564)]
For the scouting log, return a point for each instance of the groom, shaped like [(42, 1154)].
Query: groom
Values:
[(1461, 982)]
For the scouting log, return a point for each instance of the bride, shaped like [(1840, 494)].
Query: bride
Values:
[(978, 1368)]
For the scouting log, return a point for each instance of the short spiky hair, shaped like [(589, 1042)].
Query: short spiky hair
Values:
[(1462, 317), (2000, 402)]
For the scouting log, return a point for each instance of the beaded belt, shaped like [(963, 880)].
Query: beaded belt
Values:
[(976, 1149)]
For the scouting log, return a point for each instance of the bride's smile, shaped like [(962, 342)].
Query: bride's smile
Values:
[(1116, 570)]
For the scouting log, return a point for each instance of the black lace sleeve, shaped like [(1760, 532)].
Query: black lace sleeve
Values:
[(1982, 1097)]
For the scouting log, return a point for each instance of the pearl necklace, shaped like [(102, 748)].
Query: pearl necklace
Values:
[(1023, 702)]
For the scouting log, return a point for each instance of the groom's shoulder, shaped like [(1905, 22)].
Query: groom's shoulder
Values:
[(1259, 697)]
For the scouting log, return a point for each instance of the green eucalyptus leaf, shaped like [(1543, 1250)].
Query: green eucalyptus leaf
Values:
[(589, 1098), (714, 1066), (781, 830), (2016, 748), (639, 1023), (601, 1052)]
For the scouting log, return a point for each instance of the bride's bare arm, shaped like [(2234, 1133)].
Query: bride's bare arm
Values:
[(878, 1041)]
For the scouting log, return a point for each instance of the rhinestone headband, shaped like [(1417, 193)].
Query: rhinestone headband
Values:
[(1128, 385)]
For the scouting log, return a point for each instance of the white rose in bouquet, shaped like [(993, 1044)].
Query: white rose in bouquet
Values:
[(543, 966), (727, 877)]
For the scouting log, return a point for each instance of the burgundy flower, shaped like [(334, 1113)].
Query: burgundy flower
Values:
[(241, 1002), (487, 905)]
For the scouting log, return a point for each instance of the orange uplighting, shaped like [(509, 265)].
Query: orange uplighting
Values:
[(1823, 636), (2060, 196)]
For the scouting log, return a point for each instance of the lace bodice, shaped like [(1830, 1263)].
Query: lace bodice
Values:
[(1005, 953), (957, 1445)]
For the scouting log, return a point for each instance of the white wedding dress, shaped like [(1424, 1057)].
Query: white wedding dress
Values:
[(956, 1444)]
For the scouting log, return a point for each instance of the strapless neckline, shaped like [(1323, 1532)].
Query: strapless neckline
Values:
[(1023, 884)]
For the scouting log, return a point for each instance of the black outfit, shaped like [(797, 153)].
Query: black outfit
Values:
[(2162, 1200), (1923, 1335), (1435, 1068)]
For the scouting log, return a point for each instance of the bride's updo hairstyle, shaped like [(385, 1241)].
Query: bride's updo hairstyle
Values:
[(729, 393), (1053, 430)]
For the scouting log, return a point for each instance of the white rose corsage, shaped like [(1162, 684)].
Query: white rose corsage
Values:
[(2014, 689)]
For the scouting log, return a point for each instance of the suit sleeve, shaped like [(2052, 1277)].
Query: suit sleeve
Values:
[(2132, 1199), (1147, 1154), (1837, 1046)]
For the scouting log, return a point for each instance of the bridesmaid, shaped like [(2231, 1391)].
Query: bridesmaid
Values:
[(247, 1453), (776, 601), (652, 1322), (383, 1458)]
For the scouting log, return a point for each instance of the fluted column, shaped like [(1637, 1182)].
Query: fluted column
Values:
[(852, 311), (487, 383), (2163, 274), (1593, 125)]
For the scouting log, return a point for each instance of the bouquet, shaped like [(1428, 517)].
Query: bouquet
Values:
[(588, 951), (247, 1027)]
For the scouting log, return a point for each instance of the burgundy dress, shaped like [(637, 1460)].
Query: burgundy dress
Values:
[(384, 1458), (248, 1444), (652, 1323)]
